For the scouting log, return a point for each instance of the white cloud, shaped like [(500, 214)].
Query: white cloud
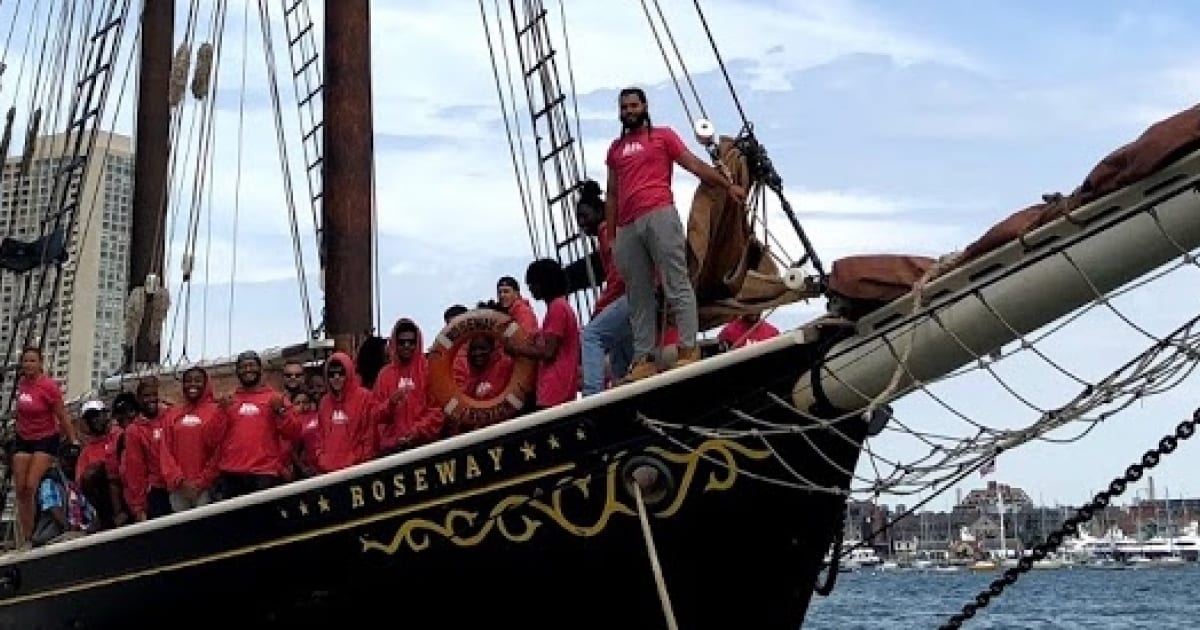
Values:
[(613, 47)]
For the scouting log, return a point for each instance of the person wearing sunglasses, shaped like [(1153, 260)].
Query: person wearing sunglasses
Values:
[(408, 417), (346, 418)]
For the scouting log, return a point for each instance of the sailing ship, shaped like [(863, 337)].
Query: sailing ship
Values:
[(657, 502)]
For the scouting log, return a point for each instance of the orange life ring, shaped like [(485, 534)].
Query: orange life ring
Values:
[(455, 403)]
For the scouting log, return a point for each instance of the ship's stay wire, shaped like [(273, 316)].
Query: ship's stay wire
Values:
[(237, 181), (672, 56)]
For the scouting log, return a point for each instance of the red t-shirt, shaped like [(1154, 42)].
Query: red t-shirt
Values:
[(558, 379), (642, 161), (738, 333), (523, 314), (614, 285), (36, 401)]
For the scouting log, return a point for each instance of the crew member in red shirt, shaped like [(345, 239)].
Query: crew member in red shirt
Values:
[(747, 329), (42, 422), (508, 293), (556, 345), (97, 472), (141, 473), (191, 442), (484, 373), (645, 228), (346, 418), (409, 417), (259, 425), (608, 333)]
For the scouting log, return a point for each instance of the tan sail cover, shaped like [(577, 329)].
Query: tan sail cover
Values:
[(729, 266), (880, 279)]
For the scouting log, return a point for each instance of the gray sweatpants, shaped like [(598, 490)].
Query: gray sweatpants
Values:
[(656, 241)]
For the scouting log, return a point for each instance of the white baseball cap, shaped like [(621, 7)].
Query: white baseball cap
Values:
[(93, 405)]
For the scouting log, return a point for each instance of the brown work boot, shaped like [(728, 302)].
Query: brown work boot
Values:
[(686, 356), (642, 368)]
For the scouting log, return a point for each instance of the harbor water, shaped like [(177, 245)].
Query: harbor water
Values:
[(1096, 599)]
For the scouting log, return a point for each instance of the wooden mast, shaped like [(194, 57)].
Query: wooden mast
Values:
[(348, 139), (152, 155)]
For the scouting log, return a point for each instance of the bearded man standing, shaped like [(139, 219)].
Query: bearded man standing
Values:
[(646, 231)]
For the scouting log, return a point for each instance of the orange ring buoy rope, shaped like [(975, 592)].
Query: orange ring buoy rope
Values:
[(459, 407)]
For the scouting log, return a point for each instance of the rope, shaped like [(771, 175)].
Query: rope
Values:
[(281, 140), (943, 264), (1151, 458), (562, 12), (518, 164), (237, 185), (687, 111), (712, 42), (648, 535), (679, 58)]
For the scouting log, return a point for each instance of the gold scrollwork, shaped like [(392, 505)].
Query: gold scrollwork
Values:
[(415, 533)]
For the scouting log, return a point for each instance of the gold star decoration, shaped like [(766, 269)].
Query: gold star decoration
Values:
[(323, 504), (580, 434), (283, 513), (552, 441), (303, 509), (529, 451)]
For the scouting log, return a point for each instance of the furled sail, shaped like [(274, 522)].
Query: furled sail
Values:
[(861, 284), (730, 267)]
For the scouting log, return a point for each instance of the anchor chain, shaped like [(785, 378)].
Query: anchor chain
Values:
[(1070, 527)]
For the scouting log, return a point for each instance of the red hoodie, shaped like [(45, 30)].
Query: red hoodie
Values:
[(416, 420), (346, 423), (191, 440), (255, 438), (100, 450), (140, 463), (309, 435)]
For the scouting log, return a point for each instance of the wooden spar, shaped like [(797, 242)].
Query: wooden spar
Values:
[(346, 223), (151, 158)]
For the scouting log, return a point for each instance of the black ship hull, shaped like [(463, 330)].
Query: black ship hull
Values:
[(529, 522)]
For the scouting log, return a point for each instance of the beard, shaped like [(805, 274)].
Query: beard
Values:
[(635, 121)]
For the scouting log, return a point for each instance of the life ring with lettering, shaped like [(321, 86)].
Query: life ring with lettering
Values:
[(459, 407)]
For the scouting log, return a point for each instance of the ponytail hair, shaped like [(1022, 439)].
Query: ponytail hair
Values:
[(591, 194)]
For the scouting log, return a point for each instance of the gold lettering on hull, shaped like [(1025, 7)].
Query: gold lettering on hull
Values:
[(518, 517), (473, 471), (440, 475), (445, 471), (423, 478)]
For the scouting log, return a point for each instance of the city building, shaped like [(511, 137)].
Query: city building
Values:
[(85, 337), (984, 499)]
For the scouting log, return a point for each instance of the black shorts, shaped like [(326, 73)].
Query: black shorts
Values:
[(47, 445)]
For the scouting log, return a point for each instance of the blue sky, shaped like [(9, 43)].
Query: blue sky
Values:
[(899, 127)]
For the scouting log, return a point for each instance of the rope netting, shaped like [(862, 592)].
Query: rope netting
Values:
[(1119, 349)]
